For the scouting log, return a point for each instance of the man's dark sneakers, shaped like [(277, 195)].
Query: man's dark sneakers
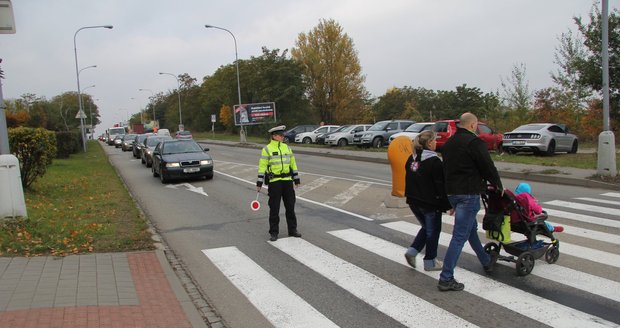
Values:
[(274, 237), (489, 267), (454, 285), (294, 234)]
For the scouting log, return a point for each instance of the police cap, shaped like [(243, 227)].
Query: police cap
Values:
[(278, 129)]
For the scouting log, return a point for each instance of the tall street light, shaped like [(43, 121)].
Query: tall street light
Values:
[(77, 73), (179, 93), (141, 111), (90, 112), (242, 131), (152, 97)]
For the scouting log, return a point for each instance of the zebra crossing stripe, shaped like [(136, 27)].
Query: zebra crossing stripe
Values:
[(345, 196), (583, 218), (274, 300), (529, 305), (596, 200), (611, 194), (583, 207), (567, 276), (395, 302), (312, 185)]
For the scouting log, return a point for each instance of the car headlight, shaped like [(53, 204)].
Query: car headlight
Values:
[(173, 165), (148, 151), (206, 162), (367, 135)]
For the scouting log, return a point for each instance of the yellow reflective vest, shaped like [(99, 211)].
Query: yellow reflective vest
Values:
[(278, 161)]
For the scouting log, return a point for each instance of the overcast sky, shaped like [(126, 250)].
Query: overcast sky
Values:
[(435, 44)]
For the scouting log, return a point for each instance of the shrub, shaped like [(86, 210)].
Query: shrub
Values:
[(35, 149), (67, 143)]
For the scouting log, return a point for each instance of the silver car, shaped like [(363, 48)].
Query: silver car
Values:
[(344, 135), (413, 130), (539, 138)]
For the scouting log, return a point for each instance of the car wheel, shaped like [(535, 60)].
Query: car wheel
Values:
[(153, 170), (342, 142), (307, 140), (573, 149), (148, 164), (162, 178), (142, 160), (209, 176), (377, 142), (551, 148)]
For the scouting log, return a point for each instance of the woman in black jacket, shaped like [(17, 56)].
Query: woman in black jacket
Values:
[(426, 196)]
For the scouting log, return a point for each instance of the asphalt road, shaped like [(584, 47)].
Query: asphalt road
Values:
[(348, 269)]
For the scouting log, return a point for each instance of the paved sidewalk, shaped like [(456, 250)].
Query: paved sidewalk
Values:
[(136, 289)]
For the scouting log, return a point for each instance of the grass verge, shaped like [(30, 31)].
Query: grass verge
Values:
[(79, 206)]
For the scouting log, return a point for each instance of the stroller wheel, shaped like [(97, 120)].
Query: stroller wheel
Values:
[(491, 247), (552, 254), (525, 263)]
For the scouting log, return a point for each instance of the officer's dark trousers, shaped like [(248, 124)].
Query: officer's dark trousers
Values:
[(282, 190)]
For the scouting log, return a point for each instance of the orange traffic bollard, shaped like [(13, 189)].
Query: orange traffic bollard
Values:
[(398, 152)]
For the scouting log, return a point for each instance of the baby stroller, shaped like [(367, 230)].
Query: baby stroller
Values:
[(524, 252)]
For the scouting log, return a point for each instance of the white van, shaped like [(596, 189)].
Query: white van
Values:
[(163, 132)]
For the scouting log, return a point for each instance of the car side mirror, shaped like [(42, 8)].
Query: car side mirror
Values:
[(205, 149), (155, 152)]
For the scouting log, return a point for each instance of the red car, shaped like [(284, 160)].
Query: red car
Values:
[(183, 135), (446, 129)]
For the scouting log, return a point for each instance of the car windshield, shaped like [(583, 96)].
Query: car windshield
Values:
[(343, 128), (116, 131), (530, 127), (380, 126), (177, 147), (184, 133), (129, 136), (152, 142), (417, 127), (141, 138)]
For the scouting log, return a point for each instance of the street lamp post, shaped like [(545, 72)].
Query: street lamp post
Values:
[(77, 73), (90, 112), (141, 112), (179, 94), (152, 96), (242, 131)]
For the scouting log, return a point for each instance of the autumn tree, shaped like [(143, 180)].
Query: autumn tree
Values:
[(332, 72), (226, 117)]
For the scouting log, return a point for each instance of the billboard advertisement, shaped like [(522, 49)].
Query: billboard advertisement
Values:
[(250, 114)]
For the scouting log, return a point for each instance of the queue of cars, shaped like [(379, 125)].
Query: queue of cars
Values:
[(539, 138), (169, 158)]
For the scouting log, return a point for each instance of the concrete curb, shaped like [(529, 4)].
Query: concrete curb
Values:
[(559, 179)]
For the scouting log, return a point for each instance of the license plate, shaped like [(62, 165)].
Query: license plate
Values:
[(356, 139), (518, 142), (191, 170)]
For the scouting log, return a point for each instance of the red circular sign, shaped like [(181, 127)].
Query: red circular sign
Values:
[(254, 205)]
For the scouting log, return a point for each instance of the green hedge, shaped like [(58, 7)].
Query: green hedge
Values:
[(35, 150), (67, 143)]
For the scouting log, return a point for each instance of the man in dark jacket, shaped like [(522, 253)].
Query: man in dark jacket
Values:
[(467, 167)]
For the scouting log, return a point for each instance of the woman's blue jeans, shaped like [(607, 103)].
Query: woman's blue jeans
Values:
[(465, 229), (428, 235)]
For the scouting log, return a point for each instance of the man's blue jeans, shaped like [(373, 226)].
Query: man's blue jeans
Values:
[(428, 235), (465, 229)]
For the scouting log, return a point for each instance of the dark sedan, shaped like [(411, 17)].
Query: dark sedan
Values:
[(181, 159), (138, 144), (149, 144)]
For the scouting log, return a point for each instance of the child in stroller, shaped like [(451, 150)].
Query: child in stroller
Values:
[(523, 220)]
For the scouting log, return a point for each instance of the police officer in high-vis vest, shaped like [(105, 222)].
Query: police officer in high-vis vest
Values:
[(278, 170)]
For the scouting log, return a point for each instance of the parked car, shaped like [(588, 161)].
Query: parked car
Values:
[(183, 135), (163, 132), (290, 134), (147, 149), (181, 159), (378, 134), (127, 141), (118, 140), (344, 135), (138, 143), (413, 130), (539, 138), (445, 129), (310, 137)]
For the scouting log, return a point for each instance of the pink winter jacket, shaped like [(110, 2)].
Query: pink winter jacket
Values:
[(530, 207)]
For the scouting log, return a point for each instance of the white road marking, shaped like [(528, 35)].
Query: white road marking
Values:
[(584, 207), (189, 187), (345, 196), (281, 306), (395, 302), (316, 183), (532, 306), (554, 272), (584, 218), (611, 194), (602, 201)]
